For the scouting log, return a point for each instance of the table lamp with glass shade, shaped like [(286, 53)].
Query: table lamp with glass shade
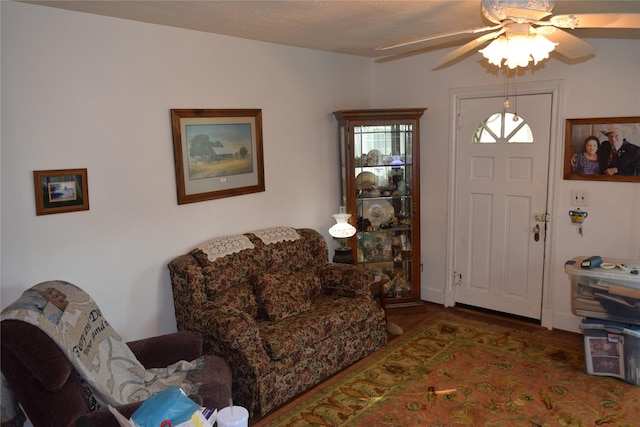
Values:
[(341, 231)]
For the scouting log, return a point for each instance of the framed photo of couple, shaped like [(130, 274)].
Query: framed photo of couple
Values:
[(602, 149)]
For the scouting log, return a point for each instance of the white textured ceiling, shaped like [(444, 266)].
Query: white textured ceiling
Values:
[(350, 27)]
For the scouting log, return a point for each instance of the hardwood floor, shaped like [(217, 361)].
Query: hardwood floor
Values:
[(407, 319), (410, 318)]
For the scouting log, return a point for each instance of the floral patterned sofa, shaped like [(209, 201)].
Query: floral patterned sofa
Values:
[(276, 310)]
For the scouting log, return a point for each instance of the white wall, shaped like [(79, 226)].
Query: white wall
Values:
[(0, 157), (87, 91), (607, 85), (83, 91)]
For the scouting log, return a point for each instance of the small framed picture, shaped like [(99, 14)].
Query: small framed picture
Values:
[(218, 153), (61, 190)]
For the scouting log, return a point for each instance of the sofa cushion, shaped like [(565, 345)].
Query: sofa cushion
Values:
[(240, 297), (328, 316), (288, 256), (286, 294)]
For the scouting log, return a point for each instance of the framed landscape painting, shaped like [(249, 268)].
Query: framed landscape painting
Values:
[(602, 149), (217, 153), (61, 190)]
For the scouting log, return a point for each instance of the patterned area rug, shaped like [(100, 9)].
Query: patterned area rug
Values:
[(459, 372)]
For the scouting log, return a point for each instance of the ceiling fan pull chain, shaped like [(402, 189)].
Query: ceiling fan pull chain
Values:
[(515, 88), (515, 110), (507, 101)]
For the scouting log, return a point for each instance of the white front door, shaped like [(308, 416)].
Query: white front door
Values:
[(501, 192)]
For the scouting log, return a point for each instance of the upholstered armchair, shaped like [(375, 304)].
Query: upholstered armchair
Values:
[(52, 393)]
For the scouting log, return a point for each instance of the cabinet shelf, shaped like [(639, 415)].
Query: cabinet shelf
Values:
[(379, 176), (383, 261), (389, 198), (386, 230)]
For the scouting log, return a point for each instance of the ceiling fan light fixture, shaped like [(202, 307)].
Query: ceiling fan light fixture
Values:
[(541, 47), (517, 50)]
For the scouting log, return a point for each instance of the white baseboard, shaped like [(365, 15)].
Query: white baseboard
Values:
[(566, 322)]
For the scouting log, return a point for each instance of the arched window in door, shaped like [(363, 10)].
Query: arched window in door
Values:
[(503, 128)]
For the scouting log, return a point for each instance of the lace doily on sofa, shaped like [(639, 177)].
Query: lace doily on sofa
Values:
[(222, 246), (277, 234)]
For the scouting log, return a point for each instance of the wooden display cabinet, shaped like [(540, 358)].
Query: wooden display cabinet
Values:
[(380, 188)]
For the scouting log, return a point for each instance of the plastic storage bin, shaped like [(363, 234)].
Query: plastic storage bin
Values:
[(612, 349), (607, 294)]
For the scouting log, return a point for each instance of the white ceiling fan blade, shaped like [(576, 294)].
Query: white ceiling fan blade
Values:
[(399, 56), (473, 44), (524, 15), (474, 30), (597, 20), (569, 45)]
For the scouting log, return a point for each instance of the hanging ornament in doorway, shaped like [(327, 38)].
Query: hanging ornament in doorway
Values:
[(507, 100)]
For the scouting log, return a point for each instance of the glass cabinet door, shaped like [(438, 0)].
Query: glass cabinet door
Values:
[(380, 190)]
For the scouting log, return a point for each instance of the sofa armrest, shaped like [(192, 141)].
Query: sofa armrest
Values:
[(352, 280), (164, 350), (227, 330), (234, 327), (104, 417)]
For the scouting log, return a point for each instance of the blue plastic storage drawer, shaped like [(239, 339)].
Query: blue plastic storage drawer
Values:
[(612, 349)]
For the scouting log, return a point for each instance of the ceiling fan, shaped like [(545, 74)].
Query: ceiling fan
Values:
[(522, 20)]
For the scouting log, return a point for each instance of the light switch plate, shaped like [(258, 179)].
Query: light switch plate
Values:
[(579, 198)]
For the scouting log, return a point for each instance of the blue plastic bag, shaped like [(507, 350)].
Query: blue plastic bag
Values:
[(170, 404)]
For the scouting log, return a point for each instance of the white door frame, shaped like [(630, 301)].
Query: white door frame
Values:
[(556, 89)]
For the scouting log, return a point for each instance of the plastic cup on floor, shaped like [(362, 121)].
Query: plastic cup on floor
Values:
[(233, 416)]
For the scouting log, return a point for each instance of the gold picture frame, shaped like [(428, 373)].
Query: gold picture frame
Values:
[(217, 153), (60, 191), (582, 135)]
